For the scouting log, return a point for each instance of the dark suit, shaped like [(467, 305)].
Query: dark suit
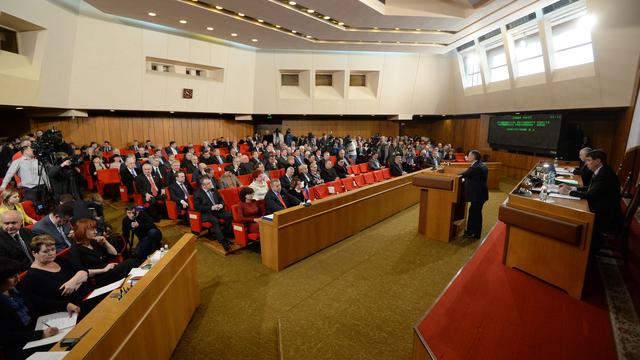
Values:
[(203, 204), (341, 171), (273, 204), (143, 185), (10, 248), (329, 175), (170, 177), (603, 196), (477, 193), (245, 169), (395, 169), (374, 164), (127, 178), (158, 175), (584, 173), (177, 193), (285, 182), (169, 150), (218, 159), (46, 226), (308, 180)]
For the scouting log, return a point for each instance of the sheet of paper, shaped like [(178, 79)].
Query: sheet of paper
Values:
[(47, 341), (268, 217), (105, 289), (561, 196), (60, 320), (567, 181), (138, 272), (48, 355)]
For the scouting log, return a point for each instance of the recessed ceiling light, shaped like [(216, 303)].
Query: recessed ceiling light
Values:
[(292, 3), (183, 21), (152, 14), (308, 36), (219, 7), (310, 11), (397, 28), (209, 28), (260, 20), (444, 114), (171, 112), (375, 28), (278, 26), (340, 23), (112, 110), (327, 17), (418, 29), (234, 34), (397, 42), (240, 14), (254, 40), (19, 108), (293, 31)]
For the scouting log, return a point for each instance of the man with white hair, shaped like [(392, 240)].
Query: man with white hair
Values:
[(14, 240)]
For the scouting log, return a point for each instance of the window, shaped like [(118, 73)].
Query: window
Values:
[(357, 80), (324, 80), (470, 69), (572, 42), (528, 54), (497, 62), (8, 40), (289, 79)]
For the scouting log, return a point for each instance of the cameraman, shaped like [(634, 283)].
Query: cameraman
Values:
[(140, 224), (64, 178), (31, 181)]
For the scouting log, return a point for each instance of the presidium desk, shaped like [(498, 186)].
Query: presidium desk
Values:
[(549, 240), (148, 321)]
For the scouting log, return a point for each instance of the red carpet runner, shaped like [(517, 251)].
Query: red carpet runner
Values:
[(494, 312)]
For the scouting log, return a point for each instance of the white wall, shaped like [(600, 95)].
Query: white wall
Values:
[(86, 60)]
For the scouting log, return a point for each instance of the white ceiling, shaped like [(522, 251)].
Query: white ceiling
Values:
[(424, 25)]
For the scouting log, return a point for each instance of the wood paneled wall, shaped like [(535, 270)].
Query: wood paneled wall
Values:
[(121, 131), (364, 128), (471, 133)]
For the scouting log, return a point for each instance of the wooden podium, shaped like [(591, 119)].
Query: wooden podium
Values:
[(442, 209)]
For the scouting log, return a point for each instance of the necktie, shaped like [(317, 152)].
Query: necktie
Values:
[(281, 200), (210, 195), (186, 193), (158, 172), (133, 172), (22, 245), (64, 236), (154, 188)]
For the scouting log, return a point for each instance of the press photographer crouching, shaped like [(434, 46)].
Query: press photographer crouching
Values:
[(65, 176), (137, 222)]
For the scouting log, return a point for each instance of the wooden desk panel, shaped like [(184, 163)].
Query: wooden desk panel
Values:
[(298, 232), (150, 319), (556, 262)]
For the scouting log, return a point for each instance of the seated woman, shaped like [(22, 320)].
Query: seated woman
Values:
[(17, 320), (96, 164), (54, 284), (95, 253), (250, 210), (298, 189), (10, 200), (316, 178), (229, 179), (259, 185)]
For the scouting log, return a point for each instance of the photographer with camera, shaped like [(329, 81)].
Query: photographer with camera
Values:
[(32, 179), (65, 177), (137, 222)]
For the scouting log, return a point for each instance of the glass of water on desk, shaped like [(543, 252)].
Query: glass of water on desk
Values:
[(544, 194)]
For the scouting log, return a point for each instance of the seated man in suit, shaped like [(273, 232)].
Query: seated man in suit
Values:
[(341, 168), (276, 199), (303, 174), (158, 171), (328, 173), (374, 163), (128, 174), (246, 167), (179, 191), (210, 204), (603, 196), (170, 177), (285, 180), (57, 224), (583, 170), (172, 148), (151, 190), (206, 158), (187, 163), (217, 158), (14, 240), (396, 166)]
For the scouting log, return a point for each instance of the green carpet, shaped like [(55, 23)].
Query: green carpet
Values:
[(358, 299)]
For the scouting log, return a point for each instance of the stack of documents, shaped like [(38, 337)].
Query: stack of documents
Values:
[(61, 320)]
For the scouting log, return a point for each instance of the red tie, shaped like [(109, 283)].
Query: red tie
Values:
[(281, 200), (154, 188)]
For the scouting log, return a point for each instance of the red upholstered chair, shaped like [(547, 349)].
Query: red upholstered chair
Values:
[(349, 183), (172, 207), (359, 179), (369, 179), (386, 173), (460, 157), (30, 209), (240, 231), (244, 148), (378, 175), (274, 174), (364, 167), (320, 191), (337, 186), (230, 196), (282, 172), (189, 178), (180, 157), (353, 169), (107, 178), (245, 180)]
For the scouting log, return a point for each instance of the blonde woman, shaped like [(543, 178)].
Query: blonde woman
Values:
[(10, 199)]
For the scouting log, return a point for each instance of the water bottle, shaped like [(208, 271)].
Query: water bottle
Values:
[(543, 193), (552, 174)]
